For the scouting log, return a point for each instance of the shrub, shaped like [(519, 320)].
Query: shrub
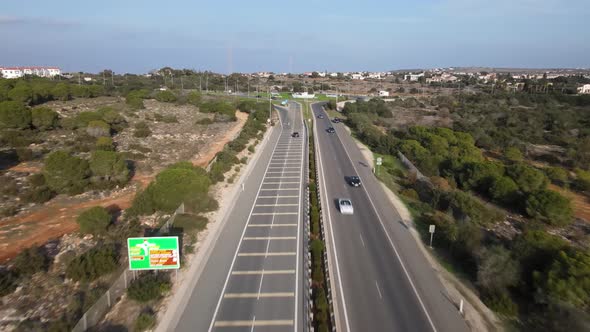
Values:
[(38, 194), (24, 154), (410, 193), (30, 261), (148, 287), (62, 92), (190, 222), (109, 168), (144, 321), (142, 130), (98, 128), (65, 173), (204, 121), (104, 144), (165, 96), (557, 175), (549, 207), (36, 180), (7, 282), (503, 190), (21, 93), (513, 154), (14, 115), (135, 99), (497, 270), (582, 181), (94, 220), (528, 179), (170, 119), (44, 118), (501, 303), (92, 264), (115, 120), (194, 98)]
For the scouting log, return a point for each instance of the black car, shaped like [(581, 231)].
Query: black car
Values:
[(321, 116), (354, 181), (336, 120), (295, 134), (330, 130)]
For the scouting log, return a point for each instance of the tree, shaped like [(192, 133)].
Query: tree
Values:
[(61, 91), (165, 96), (21, 93), (93, 264), (148, 287), (109, 167), (513, 154), (98, 128), (504, 190), (549, 207), (30, 261), (528, 179), (44, 118), (14, 115), (94, 220), (65, 173), (568, 278), (496, 270)]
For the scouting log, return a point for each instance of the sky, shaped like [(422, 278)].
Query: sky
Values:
[(135, 36)]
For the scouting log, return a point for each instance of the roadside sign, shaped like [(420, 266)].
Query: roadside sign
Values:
[(431, 228), (153, 253), (379, 161)]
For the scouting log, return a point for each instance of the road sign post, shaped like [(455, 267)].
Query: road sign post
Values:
[(431, 230), (379, 162), (153, 253)]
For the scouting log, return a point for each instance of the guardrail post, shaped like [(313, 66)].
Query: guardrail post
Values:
[(109, 298)]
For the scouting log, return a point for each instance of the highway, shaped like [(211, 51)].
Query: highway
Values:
[(381, 279), (254, 278)]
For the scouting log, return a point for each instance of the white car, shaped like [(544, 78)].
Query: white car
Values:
[(345, 206)]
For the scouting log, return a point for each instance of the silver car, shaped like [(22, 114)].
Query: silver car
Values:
[(345, 206)]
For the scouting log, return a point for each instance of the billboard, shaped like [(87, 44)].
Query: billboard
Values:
[(153, 253)]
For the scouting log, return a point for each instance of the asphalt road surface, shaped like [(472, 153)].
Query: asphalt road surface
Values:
[(253, 279), (382, 280)]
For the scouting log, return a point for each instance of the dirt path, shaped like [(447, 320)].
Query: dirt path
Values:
[(580, 203), (59, 217)]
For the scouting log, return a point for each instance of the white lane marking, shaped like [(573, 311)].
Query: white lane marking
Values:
[(257, 238), (274, 214), (265, 272), (281, 182), (254, 322), (273, 189), (279, 196), (257, 295), (391, 242), (272, 225), (378, 290), (238, 247), (264, 254), (363, 242), (281, 177), (277, 204), (285, 167), (320, 165)]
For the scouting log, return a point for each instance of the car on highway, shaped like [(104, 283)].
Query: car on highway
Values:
[(345, 206), (295, 134), (336, 120), (321, 116), (354, 181), (330, 130)]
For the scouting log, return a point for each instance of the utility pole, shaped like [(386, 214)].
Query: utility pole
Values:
[(207, 83), (181, 85), (248, 86), (269, 105), (78, 78), (200, 81), (104, 80), (113, 78)]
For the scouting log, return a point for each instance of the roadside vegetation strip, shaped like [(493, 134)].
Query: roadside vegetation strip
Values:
[(321, 308)]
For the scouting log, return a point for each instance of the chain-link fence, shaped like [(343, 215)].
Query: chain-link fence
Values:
[(96, 313)]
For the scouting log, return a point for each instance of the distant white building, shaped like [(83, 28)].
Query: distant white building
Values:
[(357, 76), (303, 95), (16, 72), (584, 89), (413, 77), (383, 93)]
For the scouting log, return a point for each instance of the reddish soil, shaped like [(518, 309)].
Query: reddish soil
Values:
[(580, 202), (59, 217)]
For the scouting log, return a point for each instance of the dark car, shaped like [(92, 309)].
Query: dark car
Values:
[(321, 116), (336, 120), (295, 134), (354, 181), (330, 130)]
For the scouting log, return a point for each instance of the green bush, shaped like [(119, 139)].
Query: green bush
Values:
[(194, 98), (165, 96), (142, 130), (61, 91), (410, 193), (14, 115), (501, 303), (148, 287), (104, 144), (513, 154), (557, 175), (504, 190), (30, 261), (92, 264), (65, 173), (109, 168), (144, 321), (190, 222), (7, 282), (550, 207), (582, 181), (24, 154), (21, 93), (528, 178), (44, 118), (173, 186), (38, 194), (98, 128), (94, 220)]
